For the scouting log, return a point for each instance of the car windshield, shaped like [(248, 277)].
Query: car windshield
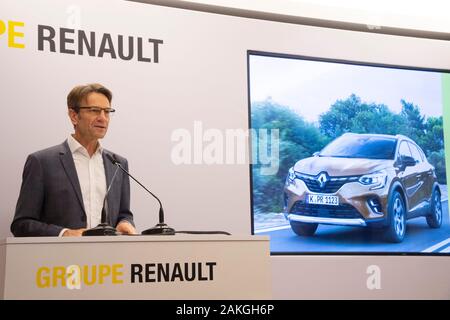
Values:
[(359, 146)]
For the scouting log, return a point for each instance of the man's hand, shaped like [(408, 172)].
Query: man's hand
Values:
[(73, 232), (125, 227)]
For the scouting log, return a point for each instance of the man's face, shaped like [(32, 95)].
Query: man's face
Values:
[(90, 125)]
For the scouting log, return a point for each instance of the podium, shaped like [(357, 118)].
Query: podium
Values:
[(136, 267)]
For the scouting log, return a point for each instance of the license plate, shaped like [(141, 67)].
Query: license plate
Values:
[(322, 199)]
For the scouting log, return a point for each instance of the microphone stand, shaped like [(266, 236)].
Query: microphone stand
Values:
[(161, 228), (104, 228)]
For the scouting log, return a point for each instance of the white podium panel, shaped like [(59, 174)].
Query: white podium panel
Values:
[(136, 267)]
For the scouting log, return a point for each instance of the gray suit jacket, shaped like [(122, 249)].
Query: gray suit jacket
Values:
[(50, 197)]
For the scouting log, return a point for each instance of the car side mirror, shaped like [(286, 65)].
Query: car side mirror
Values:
[(315, 154), (407, 161)]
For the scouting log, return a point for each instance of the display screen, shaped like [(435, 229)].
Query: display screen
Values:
[(348, 157)]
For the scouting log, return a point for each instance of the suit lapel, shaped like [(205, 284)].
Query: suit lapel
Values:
[(69, 167)]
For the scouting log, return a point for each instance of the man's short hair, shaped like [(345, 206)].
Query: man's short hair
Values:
[(79, 93)]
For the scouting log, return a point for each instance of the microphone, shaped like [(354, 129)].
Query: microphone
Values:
[(161, 228), (104, 228)]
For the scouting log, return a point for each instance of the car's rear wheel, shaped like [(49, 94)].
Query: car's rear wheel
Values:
[(304, 229), (434, 219), (396, 229)]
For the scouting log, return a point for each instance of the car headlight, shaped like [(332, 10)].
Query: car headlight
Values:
[(376, 180), (291, 176)]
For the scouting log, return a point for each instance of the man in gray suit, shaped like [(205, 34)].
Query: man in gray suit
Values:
[(63, 187)]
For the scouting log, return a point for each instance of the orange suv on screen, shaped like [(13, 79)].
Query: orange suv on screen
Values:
[(363, 180)]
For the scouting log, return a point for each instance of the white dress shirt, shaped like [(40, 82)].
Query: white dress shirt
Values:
[(91, 175)]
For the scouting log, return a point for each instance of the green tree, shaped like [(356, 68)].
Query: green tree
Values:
[(415, 128), (353, 115), (298, 139), (376, 119), (433, 138), (338, 119)]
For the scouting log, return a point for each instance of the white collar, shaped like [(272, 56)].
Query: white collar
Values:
[(75, 146)]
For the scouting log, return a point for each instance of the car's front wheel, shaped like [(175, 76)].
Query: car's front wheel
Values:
[(434, 219), (396, 229), (304, 229)]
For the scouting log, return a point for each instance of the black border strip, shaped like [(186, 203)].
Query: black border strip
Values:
[(363, 254), (342, 61), (307, 21), (350, 62)]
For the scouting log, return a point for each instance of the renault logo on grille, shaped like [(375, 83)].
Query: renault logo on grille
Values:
[(322, 179)]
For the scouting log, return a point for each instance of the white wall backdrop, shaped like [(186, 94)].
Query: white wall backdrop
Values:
[(201, 75)]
